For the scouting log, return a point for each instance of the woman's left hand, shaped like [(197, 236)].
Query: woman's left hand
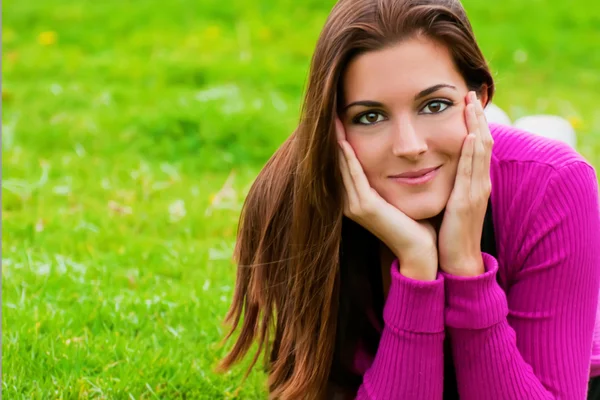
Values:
[(459, 239)]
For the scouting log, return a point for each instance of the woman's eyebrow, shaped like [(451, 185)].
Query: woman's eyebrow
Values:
[(422, 93), (433, 89), (365, 103)]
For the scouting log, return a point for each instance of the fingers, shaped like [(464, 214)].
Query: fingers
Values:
[(465, 166), (358, 189), (486, 135), (339, 129), (349, 187), (483, 148), (351, 196), (356, 171), (487, 141), (478, 150)]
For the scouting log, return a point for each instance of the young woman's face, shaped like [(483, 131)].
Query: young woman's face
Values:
[(403, 112)]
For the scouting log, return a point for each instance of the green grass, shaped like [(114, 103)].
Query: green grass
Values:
[(131, 132)]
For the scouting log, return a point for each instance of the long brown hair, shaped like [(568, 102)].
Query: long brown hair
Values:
[(302, 266)]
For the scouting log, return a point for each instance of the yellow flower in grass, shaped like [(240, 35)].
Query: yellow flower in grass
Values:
[(212, 32), (576, 122), (264, 34), (47, 38)]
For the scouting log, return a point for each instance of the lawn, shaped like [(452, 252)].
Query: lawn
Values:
[(131, 131)]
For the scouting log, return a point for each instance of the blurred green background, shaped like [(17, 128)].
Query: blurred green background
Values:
[(131, 132)]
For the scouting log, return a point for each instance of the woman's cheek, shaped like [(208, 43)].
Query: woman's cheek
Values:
[(369, 150), (453, 130)]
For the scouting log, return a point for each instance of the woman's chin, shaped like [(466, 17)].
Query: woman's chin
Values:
[(425, 215), (421, 213)]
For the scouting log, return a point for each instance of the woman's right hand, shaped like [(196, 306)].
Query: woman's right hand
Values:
[(413, 242)]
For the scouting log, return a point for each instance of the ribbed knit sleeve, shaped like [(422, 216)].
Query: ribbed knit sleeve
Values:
[(534, 340), (409, 361)]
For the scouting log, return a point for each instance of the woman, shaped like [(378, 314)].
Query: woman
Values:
[(359, 247)]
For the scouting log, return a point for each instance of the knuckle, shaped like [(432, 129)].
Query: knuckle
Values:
[(482, 196), (354, 173), (367, 208), (461, 201), (353, 210), (463, 208), (487, 190)]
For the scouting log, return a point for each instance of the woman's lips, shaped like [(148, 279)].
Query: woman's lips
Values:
[(427, 176)]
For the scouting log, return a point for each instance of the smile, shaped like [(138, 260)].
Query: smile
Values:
[(417, 180)]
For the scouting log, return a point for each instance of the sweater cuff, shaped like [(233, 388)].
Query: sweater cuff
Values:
[(475, 302), (414, 305)]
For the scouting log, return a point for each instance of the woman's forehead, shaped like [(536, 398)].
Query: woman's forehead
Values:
[(403, 69)]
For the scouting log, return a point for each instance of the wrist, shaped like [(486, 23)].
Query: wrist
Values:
[(418, 274), (422, 265), (467, 268)]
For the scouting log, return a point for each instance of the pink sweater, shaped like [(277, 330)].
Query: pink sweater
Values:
[(526, 335)]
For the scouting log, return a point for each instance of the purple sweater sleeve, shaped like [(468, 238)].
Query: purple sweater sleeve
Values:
[(409, 361), (534, 341)]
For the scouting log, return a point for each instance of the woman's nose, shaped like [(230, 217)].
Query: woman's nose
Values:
[(407, 142)]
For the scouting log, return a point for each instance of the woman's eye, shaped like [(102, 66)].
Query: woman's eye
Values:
[(436, 107), (369, 118)]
